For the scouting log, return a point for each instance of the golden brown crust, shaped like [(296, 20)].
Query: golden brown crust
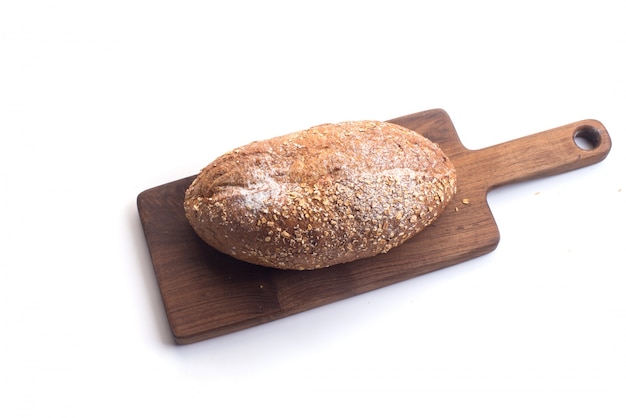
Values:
[(327, 195)]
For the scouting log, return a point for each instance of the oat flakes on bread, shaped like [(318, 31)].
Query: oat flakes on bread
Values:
[(326, 195)]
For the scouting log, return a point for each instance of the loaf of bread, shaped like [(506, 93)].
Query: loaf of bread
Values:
[(330, 194)]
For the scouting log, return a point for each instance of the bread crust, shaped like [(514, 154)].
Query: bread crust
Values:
[(330, 194)]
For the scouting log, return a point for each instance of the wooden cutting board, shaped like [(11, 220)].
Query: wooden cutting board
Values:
[(207, 294)]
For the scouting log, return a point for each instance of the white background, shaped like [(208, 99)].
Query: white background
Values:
[(102, 100)]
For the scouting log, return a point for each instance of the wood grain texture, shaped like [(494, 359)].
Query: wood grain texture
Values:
[(206, 293)]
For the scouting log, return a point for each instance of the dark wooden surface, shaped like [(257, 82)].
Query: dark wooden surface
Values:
[(207, 294)]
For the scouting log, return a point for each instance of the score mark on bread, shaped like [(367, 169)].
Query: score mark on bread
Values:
[(327, 195)]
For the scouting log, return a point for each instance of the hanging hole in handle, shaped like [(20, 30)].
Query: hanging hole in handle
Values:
[(587, 138)]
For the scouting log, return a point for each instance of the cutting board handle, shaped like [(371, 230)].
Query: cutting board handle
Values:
[(542, 154)]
